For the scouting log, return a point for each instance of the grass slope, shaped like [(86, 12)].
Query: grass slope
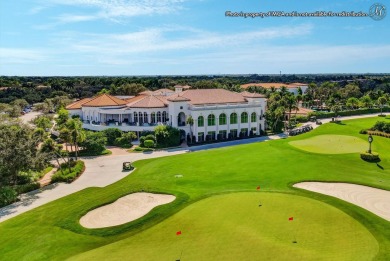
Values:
[(52, 231), (234, 227)]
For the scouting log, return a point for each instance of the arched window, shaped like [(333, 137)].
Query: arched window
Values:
[(164, 116), (159, 117), (211, 120), (153, 117), (244, 117), (141, 118), (135, 117), (222, 119), (233, 118), (253, 117), (200, 121), (145, 117)]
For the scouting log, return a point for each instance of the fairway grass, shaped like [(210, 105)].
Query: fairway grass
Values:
[(53, 231), (234, 227), (331, 144)]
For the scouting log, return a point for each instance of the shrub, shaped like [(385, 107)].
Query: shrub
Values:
[(142, 139), (94, 142), (66, 175), (321, 114), (363, 132), (149, 143), (7, 196), (27, 187), (112, 134), (299, 118), (167, 136), (370, 157), (125, 140)]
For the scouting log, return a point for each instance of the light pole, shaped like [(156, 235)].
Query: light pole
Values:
[(370, 140)]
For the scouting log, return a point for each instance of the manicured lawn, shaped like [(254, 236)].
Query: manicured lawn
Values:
[(234, 227), (331, 144), (52, 232)]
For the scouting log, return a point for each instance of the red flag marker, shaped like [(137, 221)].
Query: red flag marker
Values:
[(291, 219), (258, 188), (178, 233)]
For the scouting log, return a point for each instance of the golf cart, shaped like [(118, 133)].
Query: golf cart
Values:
[(127, 166)]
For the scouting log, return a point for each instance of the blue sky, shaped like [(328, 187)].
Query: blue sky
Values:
[(175, 37)]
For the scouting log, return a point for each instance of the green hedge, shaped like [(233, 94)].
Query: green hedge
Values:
[(7, 196), (20, 189), (371, 157), (68, 176), (322, 115)]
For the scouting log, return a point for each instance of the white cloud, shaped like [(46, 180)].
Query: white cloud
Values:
[(165, 39), (114, 9), (18, 55)]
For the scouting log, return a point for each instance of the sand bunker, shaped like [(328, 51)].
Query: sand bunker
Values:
[(125, 209), (375, 200)]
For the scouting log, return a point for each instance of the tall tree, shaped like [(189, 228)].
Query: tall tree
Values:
[(18, 152), (190, 121), (381, 102), (77, 134)]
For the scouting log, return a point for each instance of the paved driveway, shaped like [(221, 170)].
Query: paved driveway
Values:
[(99, 172)]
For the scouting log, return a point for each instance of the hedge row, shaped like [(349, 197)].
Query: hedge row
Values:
[(371, 157), (378, 133), (64, 175), (322, 115)]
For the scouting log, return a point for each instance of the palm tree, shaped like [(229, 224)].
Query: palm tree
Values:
[(50, 147), (190, 121), (291, 104), (76, 133), (381, 102)]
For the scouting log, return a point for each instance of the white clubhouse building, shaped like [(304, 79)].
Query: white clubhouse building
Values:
[(217, 113)]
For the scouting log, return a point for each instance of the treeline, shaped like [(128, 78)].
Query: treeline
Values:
[(37, 89)]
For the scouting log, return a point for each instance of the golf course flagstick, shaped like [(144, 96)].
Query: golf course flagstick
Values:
[(293, 231), (180, 255)]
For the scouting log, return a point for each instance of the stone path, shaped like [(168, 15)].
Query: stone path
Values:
[(45, 180)]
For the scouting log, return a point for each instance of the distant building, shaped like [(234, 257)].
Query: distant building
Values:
[(217, 113), (291, 87)]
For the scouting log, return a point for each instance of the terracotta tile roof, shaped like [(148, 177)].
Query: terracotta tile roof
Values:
[(77, 105), (277, 85), (163, 91), (301, 111), (147, 101), (252, 95), (210, 96), (177, 98), (145, 93), (104, 100)]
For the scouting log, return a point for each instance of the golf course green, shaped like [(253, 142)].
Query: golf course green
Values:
[(331, 144), (217, 208), (235, 227)]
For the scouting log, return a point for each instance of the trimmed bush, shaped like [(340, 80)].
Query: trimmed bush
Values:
[(77, 168), (370, 157), (7, 196), (149, 143), (363, 132)]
